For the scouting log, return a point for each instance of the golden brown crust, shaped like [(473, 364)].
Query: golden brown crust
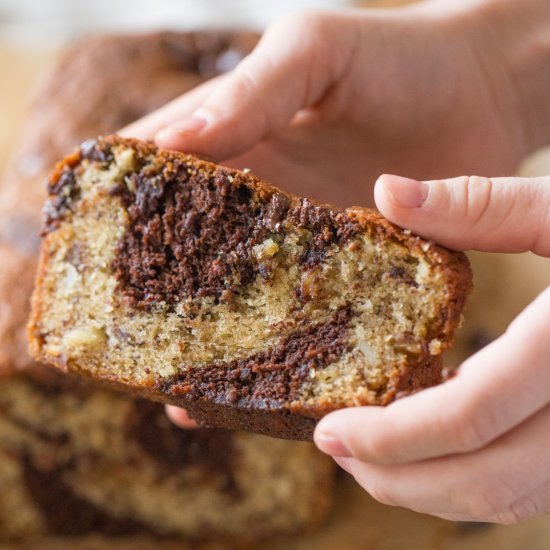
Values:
[(297, 423)]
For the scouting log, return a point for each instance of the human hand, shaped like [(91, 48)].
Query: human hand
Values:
[(330, 100), (476, 447)]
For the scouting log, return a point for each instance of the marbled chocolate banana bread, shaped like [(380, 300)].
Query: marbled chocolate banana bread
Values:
[(202, 286)]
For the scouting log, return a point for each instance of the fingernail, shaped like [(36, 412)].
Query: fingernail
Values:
[(331, 444), (405, 192), (343, 462), (189, 125), (180, 417)]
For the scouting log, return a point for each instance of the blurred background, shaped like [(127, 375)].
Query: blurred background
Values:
[(31, 31), (31, 34), (56, 20)]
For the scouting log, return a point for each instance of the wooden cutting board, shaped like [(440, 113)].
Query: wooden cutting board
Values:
[(503, 286)]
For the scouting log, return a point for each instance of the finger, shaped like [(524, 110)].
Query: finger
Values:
[(498, 215), (495, 390), (526, 507), (535, 504), (179, 108), (291, 68), (486, 485), (343, 463), (180, 417)]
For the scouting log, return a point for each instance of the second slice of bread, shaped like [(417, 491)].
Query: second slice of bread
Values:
[(202, 286)]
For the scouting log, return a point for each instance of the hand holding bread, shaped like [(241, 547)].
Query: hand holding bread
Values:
[(326, 103)]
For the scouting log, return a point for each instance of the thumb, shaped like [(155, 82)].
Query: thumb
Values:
[(291, 69), (488, 214)]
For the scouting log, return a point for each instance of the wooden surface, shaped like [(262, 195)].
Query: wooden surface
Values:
[(504, 285)]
